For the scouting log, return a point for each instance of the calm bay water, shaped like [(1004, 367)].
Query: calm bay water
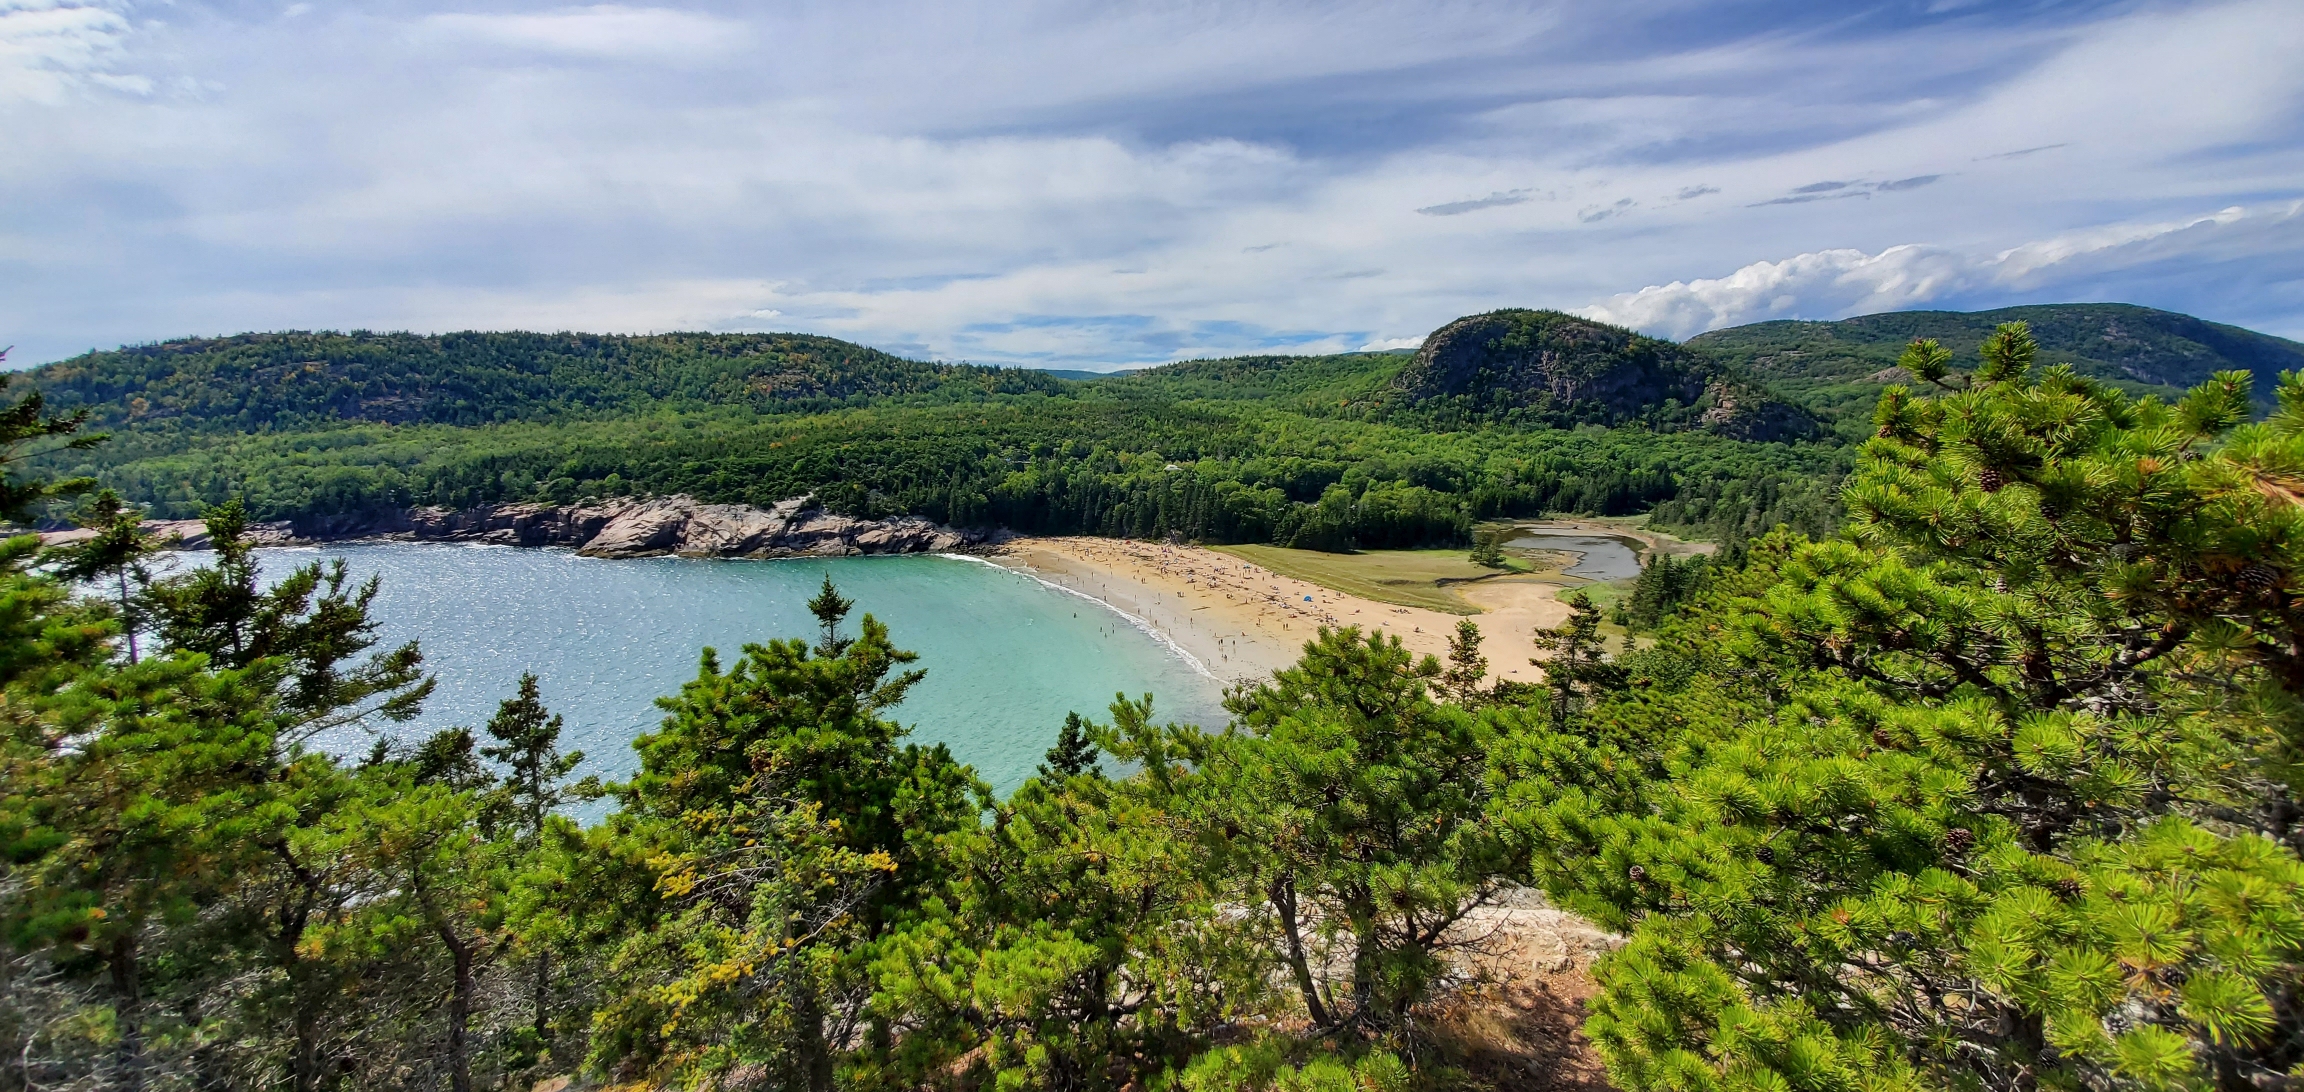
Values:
[(1006, 656)]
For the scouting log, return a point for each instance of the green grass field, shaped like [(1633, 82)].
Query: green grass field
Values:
[(1403, 578)]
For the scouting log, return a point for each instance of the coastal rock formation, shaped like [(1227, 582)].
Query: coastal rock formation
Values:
[(637, 527), (687, 527), (179, 534)]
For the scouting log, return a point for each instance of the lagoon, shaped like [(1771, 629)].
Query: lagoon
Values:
[(1599, 557), (1006, 655)]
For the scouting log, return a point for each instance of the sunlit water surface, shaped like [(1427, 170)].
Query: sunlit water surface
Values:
[(1006, 656)]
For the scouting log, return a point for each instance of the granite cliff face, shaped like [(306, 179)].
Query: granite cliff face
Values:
[(649, 527)]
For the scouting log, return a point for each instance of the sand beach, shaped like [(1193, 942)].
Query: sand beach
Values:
[(1242, 621)]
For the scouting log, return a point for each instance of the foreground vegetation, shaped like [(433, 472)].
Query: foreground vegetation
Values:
[(1995, 789)]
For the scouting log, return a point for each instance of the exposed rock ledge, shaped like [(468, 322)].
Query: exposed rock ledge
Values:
[(652, 527)]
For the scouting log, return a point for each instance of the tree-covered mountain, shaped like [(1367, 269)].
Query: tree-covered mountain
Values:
[(1558, 370), (1315, 451), (1840, 367), (1509, 414), (298, 379)]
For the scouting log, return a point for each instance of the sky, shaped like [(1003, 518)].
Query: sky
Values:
[(1060, 184)]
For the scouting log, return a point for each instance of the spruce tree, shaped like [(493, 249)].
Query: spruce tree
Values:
[(1466, 666), (1578, 669), (115, 555), (1074, 753), (527, 746)]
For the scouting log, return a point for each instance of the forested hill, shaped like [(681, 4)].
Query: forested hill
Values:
[(1838, 366), (298, 379), (1510, 414), (1555, 369)]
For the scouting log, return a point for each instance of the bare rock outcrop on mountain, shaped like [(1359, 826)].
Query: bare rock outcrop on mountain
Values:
[(637, 527), (1555, 369)]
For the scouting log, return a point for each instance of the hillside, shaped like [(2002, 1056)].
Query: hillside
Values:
[(1323, 451), (1836, 367), (1558, 370), (255, 382)]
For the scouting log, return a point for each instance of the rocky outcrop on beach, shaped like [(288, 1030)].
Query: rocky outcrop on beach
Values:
[(634, 527), (686, 527)]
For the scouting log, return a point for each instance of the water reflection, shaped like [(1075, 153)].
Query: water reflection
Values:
[(1598, 557)]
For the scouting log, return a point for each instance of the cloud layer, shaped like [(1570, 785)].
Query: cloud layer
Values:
[(1065, 183), (1835, 283)]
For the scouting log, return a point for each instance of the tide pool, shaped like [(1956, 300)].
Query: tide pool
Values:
[(1006, 656)]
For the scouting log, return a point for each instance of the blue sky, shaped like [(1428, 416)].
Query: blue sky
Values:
[(1092, 185)]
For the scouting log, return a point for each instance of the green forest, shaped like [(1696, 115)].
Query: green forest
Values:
[(1336, 452), (1993, 786), (1510, 414)]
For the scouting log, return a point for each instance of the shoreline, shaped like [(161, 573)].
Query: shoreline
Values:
[(1227, 618), (1241, 621)]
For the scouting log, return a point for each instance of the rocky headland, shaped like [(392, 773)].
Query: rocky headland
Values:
[(635, 527)]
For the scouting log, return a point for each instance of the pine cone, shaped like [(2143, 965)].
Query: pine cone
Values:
[(1959, 839), (2051, 511), (2259, 577), (1881, 739), (1637, 873), (1764, 855), (1989, 480), (1887, 432), (2066, 888)]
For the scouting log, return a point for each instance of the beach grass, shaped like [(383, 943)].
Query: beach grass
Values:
[(1403, 578)]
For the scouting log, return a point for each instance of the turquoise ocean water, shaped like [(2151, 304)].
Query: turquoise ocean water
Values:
[(1006, 655)]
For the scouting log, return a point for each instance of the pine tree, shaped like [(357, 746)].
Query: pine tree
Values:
[(1467, 668), (830, 610), (1348, 807), (783, 825), (1989, 792), (1578, 669), (1074, 753), (28, 431), (527, 745), (116, 555)]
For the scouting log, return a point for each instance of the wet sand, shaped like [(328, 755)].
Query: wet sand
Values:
[(1241, 621)]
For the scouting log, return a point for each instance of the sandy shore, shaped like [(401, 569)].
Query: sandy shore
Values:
[(1242, 621)]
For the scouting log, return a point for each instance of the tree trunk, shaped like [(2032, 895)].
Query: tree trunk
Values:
[(1283, 896), (812, 1055), (127, 617), (306, 1064), (128, 1002), (543, 994), (459, 1010)]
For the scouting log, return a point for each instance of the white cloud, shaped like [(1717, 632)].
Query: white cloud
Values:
[(603, 30), (47, 47), (1838, 283), (1416, 342)]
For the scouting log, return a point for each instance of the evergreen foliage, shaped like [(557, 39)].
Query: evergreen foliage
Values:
[(1664, 584), (1995, 789)]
